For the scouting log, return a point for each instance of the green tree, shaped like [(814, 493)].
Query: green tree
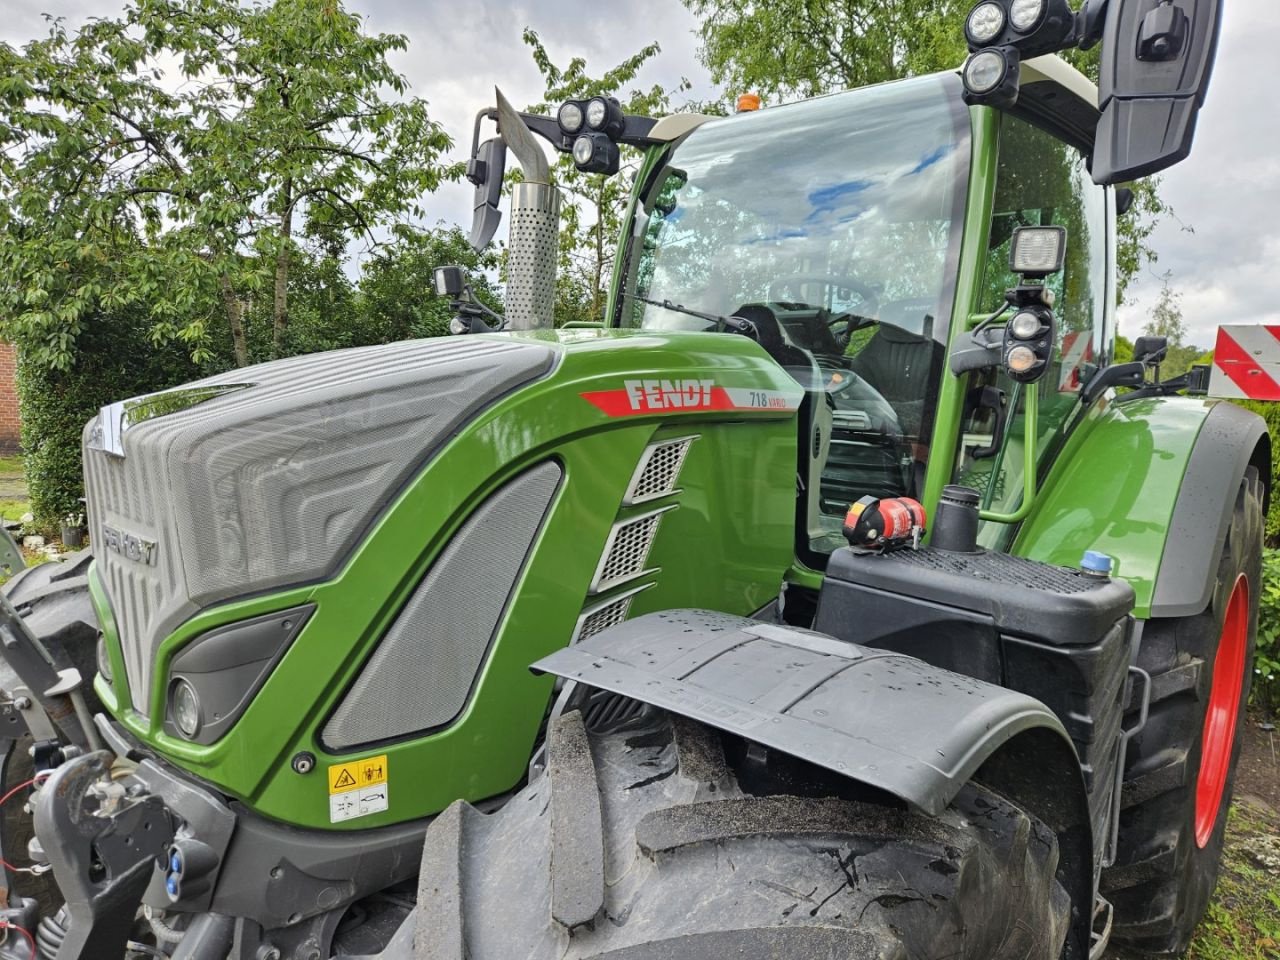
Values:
[(591, 219), (397, 296), (123, 186), (1166, 321), (804, 48)]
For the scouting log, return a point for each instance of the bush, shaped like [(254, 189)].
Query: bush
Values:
[(1266, 663), (1270, 412), (115, 359)]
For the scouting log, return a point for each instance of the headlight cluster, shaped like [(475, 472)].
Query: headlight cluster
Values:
[(594, 126), (1034, 253), (1003, 33)]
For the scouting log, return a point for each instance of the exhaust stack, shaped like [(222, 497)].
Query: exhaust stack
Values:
[(534, 229)]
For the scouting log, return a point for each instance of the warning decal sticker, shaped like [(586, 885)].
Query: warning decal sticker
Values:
[(357, 773), (357, 788)]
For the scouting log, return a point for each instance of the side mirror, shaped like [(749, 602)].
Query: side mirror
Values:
[(1151, 350), (1156, 63), (486, 169)]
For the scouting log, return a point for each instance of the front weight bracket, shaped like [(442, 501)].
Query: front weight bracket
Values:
[(103, 838)]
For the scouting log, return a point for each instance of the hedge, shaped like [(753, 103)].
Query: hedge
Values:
[(115, 359)]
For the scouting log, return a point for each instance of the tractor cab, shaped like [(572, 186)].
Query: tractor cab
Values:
[(834, 227)]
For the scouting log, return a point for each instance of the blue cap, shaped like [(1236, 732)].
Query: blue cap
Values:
[(1096, 562), (171, 885)]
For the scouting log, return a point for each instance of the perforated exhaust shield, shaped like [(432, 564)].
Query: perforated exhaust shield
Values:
[(531, 267)]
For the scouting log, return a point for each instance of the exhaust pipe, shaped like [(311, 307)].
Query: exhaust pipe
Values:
[(534, 232)]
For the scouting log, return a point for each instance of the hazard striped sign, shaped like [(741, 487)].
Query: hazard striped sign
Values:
[(1246, 362), (1076, 351)]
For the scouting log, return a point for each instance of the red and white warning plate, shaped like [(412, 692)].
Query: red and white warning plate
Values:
[(1246, 362)]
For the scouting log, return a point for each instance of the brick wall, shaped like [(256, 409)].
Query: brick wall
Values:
[(10, 422)]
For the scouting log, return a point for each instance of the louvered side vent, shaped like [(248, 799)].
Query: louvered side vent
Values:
[(627, 549), (658, 470), (604, 615)]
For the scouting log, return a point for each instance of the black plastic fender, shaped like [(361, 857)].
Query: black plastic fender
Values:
[(904, 726), (1231, 440)]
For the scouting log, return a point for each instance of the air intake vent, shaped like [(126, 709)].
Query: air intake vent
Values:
[(608, 614), (627, 549), (421, 674), (658, 470)]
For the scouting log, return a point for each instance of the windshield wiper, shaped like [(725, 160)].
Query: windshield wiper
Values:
[(732, 324)]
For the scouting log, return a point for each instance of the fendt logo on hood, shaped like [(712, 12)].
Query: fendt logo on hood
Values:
[(669, 394), (675, 396), (129, 545)]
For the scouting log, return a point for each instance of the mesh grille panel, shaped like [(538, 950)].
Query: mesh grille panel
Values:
[(602, 618), (1001, 568), (533, 245), (420, 675), (627, 551), (659, 470)]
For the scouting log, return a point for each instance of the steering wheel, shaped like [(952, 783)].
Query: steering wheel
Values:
[(870, 298)]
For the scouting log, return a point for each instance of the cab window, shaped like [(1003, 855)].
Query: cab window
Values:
[(1041, 181)]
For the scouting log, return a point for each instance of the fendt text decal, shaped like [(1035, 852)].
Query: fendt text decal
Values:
[(666, 396)]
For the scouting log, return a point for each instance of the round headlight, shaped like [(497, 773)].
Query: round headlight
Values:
[(985, 22), (1025, 14), (1021, 359), (597, 113), (1025, 325), (104, 659), (570, 117), (583, 151), (186, 708), (984, 71)]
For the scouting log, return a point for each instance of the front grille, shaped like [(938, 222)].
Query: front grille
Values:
[(627, 549), (274, 483), (658, 470)]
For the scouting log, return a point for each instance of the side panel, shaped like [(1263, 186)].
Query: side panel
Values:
[(1149, 483)]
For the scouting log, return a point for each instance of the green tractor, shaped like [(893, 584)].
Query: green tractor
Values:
[(839, 596)]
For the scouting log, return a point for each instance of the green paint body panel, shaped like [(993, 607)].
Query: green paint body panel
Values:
[(704, 556), (1113, 488)]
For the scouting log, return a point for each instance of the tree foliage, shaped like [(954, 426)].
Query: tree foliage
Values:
[(161, 160), (591, 219)]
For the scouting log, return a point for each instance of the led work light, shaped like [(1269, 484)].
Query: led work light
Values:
[(985, 23), (1037, 252)]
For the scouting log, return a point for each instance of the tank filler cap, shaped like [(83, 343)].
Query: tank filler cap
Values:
[(1098, 564)]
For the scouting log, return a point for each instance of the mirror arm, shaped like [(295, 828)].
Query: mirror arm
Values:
[(1117, 375)]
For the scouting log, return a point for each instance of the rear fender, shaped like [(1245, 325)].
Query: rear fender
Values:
[(1152, 483), (904, 726)]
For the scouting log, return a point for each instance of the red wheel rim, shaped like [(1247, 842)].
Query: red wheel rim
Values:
[(1224, 708)]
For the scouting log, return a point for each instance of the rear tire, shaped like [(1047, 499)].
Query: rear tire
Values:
[(1176, 794), (643, 845)]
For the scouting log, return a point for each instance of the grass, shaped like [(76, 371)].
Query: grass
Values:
[(11, 467), (1243, 922), (14, 509)]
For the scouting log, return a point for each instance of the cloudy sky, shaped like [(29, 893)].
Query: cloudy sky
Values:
[(1223, 250)]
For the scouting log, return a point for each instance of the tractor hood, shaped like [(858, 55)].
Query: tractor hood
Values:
[(268, 475)]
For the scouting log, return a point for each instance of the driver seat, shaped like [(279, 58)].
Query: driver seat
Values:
[(902, 367)]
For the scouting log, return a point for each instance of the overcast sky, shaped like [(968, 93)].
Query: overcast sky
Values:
[(1228, 192)]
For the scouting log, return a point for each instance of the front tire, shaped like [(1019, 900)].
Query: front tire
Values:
[(646, 843), (1180, 769)]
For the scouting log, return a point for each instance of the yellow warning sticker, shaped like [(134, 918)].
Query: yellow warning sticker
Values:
[(357, 773)]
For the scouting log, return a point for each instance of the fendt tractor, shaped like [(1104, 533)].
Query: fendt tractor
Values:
[(838, 596)]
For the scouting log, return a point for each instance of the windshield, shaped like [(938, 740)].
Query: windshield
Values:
[(833, 225)]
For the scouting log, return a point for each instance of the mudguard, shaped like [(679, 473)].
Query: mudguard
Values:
[(1152, 483), (886, 719)]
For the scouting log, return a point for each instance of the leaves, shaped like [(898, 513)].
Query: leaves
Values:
[(125, 181)]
